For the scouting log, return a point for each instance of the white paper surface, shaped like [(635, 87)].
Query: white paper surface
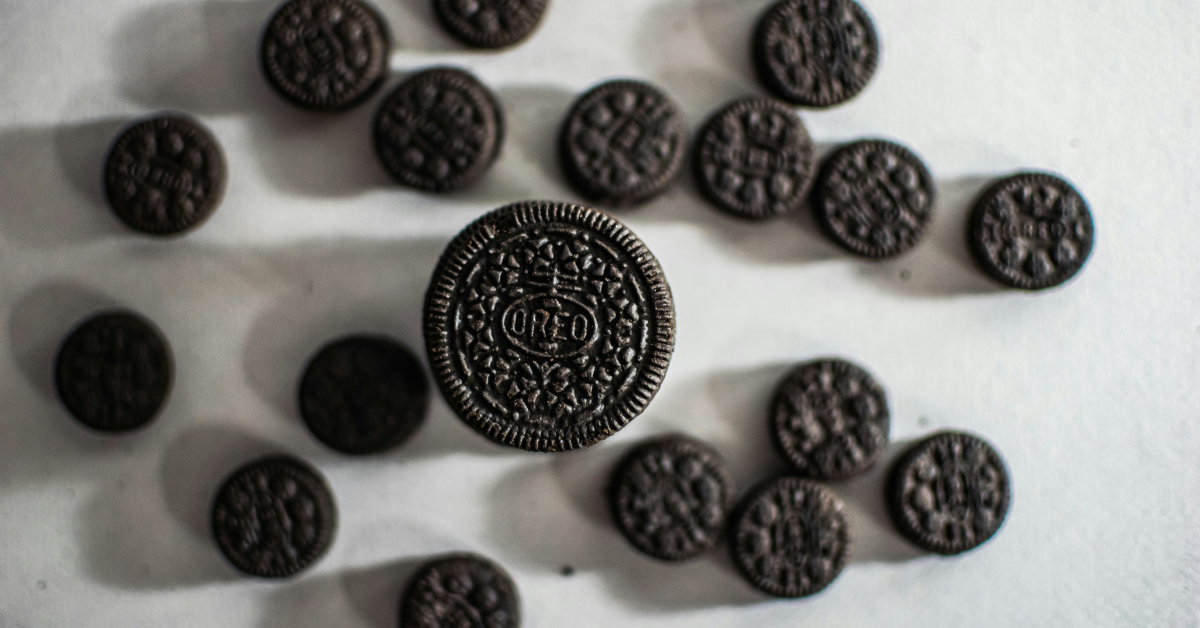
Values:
[(1090, 391)]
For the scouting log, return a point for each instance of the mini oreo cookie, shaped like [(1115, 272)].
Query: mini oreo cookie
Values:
[(440, 130), (949, 493), (274, 517), (816, 53), (325, 55), (490, 23), (114, 372), (754, 159), (164, 175), (622, 143), (549, 326), (1031, 231), (363, 394), (789, 537), (671, 497), (830, 419), (461, 590), (874, 198)]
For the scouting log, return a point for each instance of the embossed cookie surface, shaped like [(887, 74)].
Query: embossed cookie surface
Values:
[(816, 53), (1031, 231), (164, 175), (789, 537), (439, 130), (622, 143), (460, 591), (274, 517), (325, 55), (549, 326), (874, 198), (363, 394), (754, 159), (670, 497), (114, 372), (949, 493), (490, 23)]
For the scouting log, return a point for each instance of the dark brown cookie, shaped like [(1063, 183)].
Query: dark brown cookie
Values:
[(164, 175), (439, 130), (622, 143), (549, 326), (874, 198), (464, 590), (830, 419), (274, 517), (789, 537), (490, 23), (949, 493), (754, 159), (114, 371), (816, 53), (363, 394), (325, 55), (1031, 231), (670, 497)]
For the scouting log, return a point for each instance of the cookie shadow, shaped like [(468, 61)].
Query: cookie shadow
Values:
[(874, 538), (51, 183), (375, 592), (552, 513), (329, 291), (941, 265)]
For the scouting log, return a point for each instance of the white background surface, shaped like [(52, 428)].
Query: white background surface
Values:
[(1090, 391)]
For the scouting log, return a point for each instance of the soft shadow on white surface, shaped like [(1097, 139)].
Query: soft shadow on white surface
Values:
[(51, 184), (375, 591)]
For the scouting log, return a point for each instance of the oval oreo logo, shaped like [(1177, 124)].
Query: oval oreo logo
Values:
[(550, 325)]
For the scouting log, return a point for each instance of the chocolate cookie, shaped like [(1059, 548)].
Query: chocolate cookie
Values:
[(789, 537), (622, 143), (949, 493), (439, 130), (670, 497), (363, 394), (114, 371), (461, 590), (816, 53), (754, 159), (490, 23), (549, 326), (164, 175), (274, 517), (325, 55), (874, 198), (1031, 231), (830, 419)]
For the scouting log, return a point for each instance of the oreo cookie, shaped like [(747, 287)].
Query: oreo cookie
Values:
[(114, 371), (439, 130), (622, 143), (490, 23), (363, 394), (164, 175), (325, 55), (461, 590)]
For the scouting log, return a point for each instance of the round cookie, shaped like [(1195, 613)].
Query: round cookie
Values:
[(622, 143), (816, 53), (755, 160), (461, 590), (1031, 231), (363, 394), (274, 517), (549, 326), (114, 371), (949, 493), (490, 23), (164, 175), (671, 497), (325, 55), (440, 130)]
